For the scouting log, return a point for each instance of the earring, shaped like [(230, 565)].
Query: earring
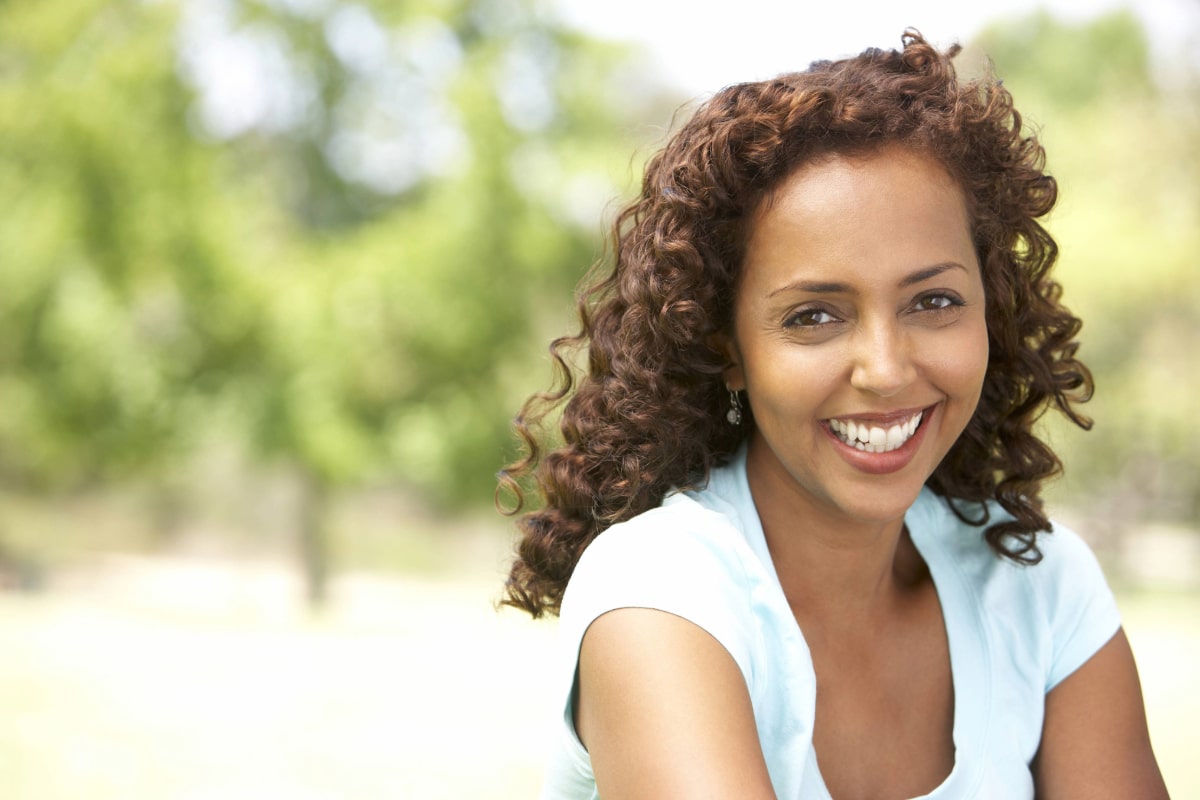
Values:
[(734, 414)]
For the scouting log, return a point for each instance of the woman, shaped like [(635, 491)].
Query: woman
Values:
[(794, 522)]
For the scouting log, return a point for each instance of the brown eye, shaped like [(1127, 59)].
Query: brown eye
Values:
[(938, 301), (810, 317)]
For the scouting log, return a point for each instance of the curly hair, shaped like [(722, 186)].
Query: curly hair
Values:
[(646, 416)]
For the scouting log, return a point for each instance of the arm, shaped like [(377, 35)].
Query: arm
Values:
[(664, 712), (1095, 743)]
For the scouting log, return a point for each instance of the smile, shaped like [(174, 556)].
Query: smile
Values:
[(874, 438)]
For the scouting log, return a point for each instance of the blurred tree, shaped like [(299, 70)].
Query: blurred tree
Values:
[(121, 301), (1070, 67), (441, 193), (325, 229), (1121, 132)]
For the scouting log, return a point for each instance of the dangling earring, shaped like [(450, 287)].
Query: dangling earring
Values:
[(734, 414)]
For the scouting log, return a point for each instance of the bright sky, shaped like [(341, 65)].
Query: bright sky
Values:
[(703, 45)]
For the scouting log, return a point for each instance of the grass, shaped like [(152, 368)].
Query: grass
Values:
[(152, 678), (129, 689)]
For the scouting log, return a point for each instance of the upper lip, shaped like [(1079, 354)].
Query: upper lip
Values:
[(884, 417)]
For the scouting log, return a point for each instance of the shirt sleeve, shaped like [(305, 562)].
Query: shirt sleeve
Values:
[(1081, 610), (680, 560)]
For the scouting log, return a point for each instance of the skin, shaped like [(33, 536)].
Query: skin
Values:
[(860, 298)]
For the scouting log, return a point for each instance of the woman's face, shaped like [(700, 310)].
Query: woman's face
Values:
[(859, 333)]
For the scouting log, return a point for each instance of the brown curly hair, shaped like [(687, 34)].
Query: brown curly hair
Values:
[(647, 416)]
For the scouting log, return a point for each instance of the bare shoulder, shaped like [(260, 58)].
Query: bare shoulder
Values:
[(1095, 743), (664, 711)]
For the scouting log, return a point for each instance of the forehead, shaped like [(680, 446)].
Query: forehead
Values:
[(892, 208), (830, 177)]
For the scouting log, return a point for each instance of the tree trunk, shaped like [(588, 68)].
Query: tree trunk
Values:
[(314, 538)]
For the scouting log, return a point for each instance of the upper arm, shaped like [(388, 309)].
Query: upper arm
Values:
[(1095, 743), (664, 711)]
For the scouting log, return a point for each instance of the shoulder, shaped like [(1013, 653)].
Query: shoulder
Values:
[(1061, 607), (1076, 602), (681, 558), (680, 530), (1063, 551)]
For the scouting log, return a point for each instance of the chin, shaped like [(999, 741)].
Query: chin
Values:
[(883, 507)]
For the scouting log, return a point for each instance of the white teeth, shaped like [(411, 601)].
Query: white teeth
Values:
[(874, 439), (895, 437)]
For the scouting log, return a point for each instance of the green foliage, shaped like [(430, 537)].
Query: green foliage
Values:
[(393, 328), (1067, 66), (117, 294), (324, 231)]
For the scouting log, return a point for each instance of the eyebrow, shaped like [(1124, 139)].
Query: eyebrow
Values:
[(930, 272), (833, 287)]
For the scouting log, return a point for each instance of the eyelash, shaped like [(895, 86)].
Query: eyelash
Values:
[(793, 319), (953, 301)]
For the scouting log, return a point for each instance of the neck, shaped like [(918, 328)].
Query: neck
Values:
[(835, 570)]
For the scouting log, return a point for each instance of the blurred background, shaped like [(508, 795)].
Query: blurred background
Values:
[(276, 274)]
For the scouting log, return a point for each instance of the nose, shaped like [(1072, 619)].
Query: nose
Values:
[(883, 363)]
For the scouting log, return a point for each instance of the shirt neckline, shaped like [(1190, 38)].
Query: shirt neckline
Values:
[(961, 616)]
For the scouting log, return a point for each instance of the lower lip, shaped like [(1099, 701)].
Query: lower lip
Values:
[(883, 463)]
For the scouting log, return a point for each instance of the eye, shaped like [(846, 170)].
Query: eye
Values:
[(810, 318), (937, 301)]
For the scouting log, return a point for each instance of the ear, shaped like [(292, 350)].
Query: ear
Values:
[(725, 344)]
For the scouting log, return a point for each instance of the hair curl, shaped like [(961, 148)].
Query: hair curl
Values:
[(647, 415)]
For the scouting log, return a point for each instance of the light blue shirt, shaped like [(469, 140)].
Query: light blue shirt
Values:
[(1014, 632)]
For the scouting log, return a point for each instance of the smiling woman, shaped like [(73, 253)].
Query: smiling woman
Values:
[(794, 528), (860, 303)]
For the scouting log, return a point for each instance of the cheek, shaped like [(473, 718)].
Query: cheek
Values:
[(964, 364), (794, 376), (789, 388)]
